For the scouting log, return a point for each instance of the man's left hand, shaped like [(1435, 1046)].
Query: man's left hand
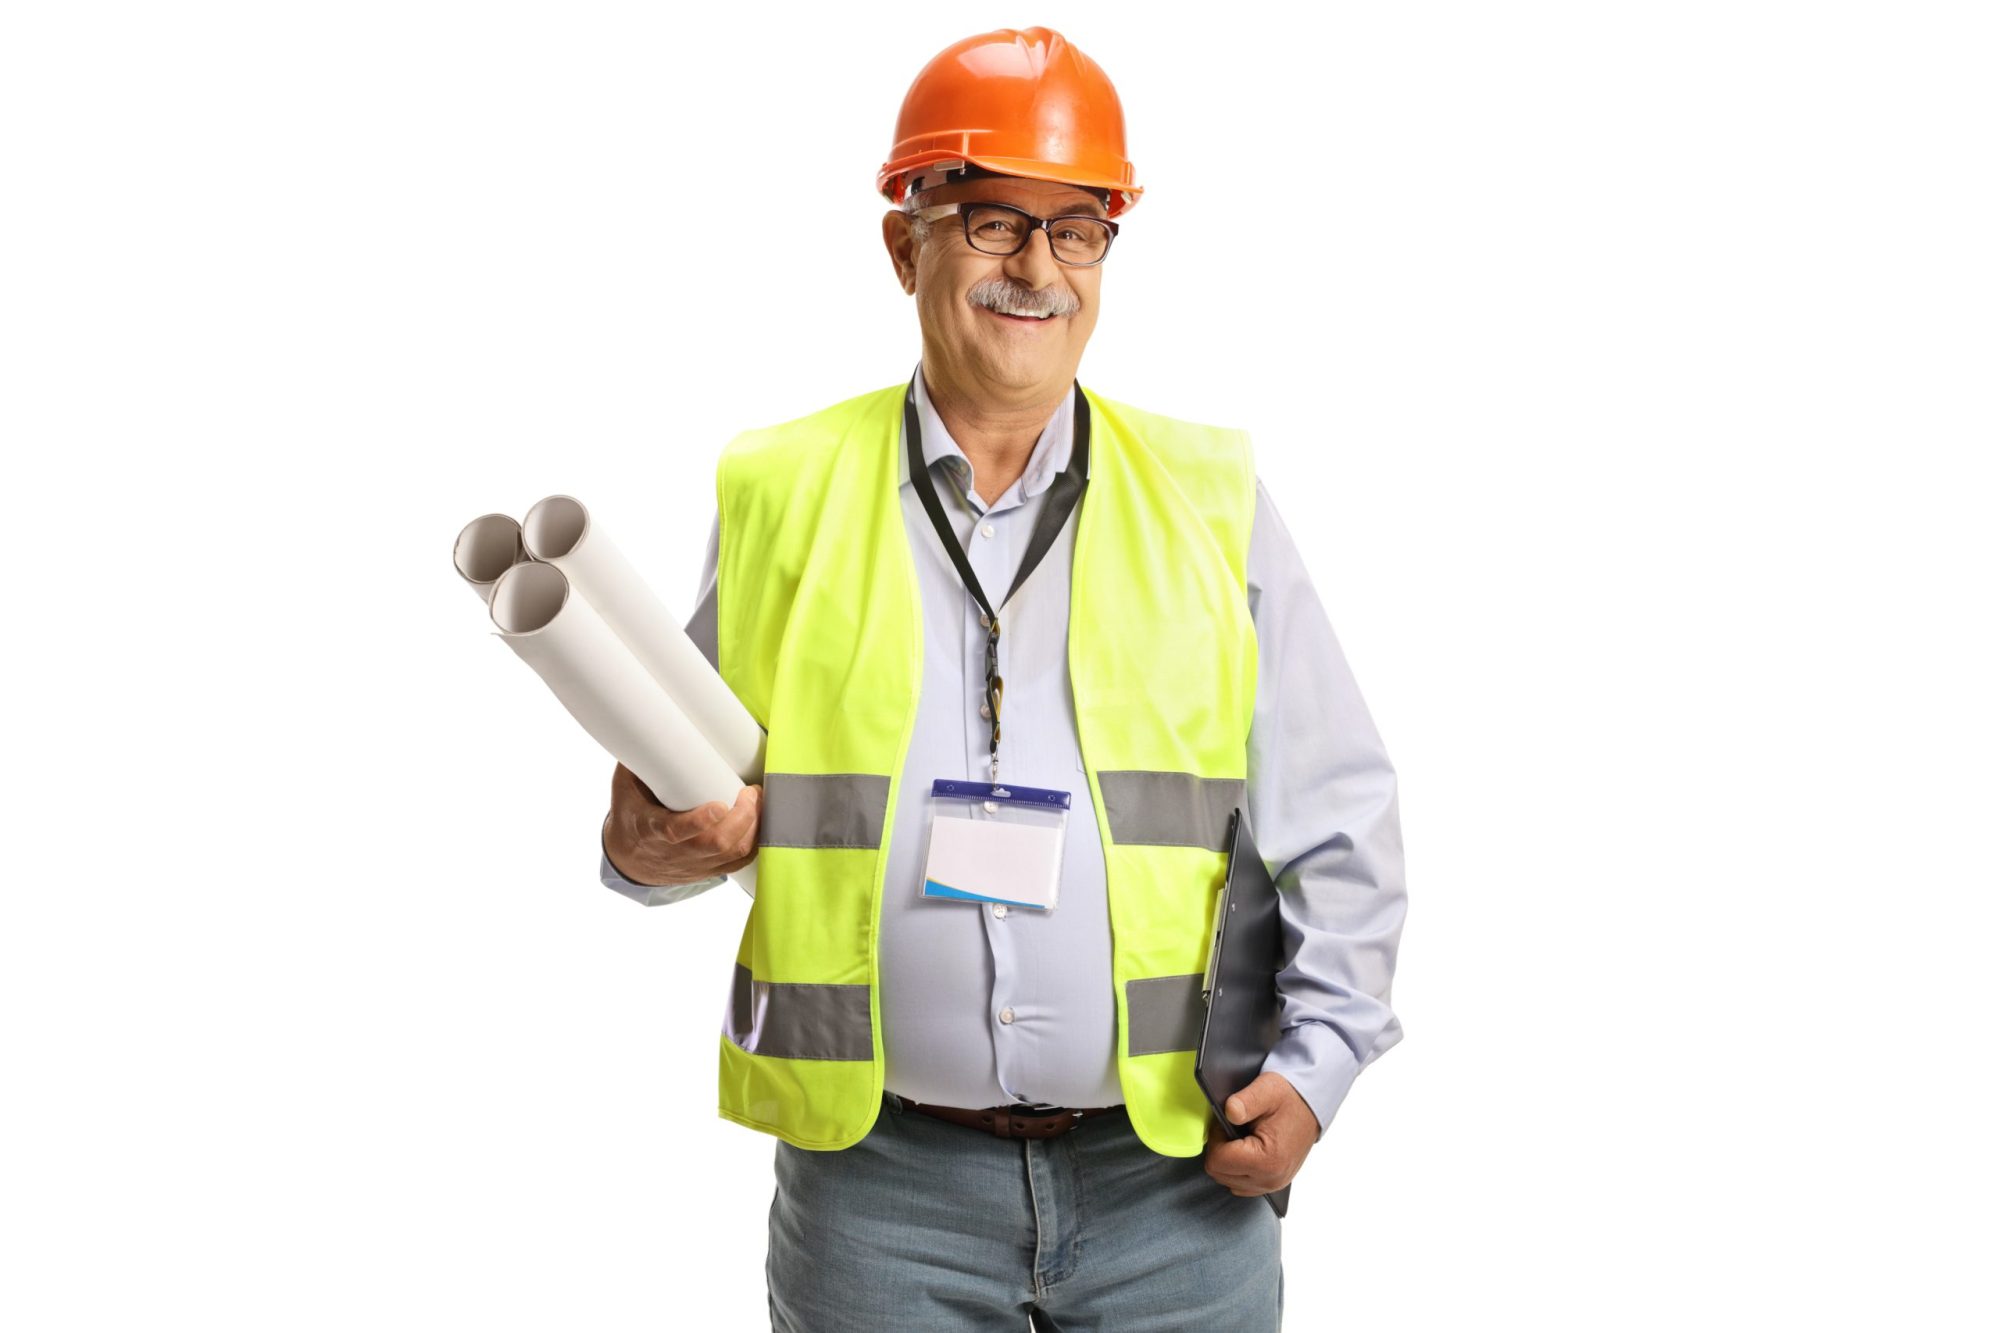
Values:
[(1282, 1128)]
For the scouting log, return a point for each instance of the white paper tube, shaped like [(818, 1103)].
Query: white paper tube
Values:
[(608, 692), (486, 548), (558, 530)]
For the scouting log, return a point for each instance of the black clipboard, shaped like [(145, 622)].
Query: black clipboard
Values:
[(1241, 984)]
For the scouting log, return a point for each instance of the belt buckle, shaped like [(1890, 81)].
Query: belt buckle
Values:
[(1012, 1126), (1006, 1122)]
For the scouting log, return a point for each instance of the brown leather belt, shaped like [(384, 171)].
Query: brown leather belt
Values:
[(1006, 1123)]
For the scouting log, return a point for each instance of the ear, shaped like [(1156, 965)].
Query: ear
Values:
[(902, 246)]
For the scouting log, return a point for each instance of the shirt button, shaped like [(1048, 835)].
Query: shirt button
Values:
[(1000, 910), (985, 711), (1006, 1015), (992, 807), (986, 529)]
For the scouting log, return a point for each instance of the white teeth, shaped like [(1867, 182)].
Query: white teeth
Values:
[(1011, 310)]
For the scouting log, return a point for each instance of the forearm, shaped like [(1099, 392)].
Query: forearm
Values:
[(1341, 903), (1323, 806)]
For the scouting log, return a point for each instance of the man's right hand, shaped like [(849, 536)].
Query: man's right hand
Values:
[(651, 844)]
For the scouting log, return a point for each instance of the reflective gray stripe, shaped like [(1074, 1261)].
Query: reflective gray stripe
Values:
[(799, 1020), (1163, 1014), (1148, 807), (824, 809)]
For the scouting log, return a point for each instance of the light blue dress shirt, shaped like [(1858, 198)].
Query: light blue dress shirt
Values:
[(988, 1006)]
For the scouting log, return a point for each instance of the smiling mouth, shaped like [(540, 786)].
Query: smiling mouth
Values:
[(1019, 319)]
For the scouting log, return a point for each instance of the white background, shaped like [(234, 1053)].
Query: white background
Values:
[(1626, 372)]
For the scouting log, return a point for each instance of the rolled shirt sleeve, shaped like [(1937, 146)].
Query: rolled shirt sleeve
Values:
[(700, 628), (1322, 803)]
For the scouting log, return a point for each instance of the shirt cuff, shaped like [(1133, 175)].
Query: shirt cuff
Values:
[(1314, 1059), (647, 895)]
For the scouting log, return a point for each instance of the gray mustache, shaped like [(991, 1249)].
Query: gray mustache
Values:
[(995, 293)]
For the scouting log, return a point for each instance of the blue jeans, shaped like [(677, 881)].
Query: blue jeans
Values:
[(930, 1226)]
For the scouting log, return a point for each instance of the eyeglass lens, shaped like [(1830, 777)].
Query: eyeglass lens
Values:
[(999, 231)]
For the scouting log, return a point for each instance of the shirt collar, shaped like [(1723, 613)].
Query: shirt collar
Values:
[(1045, 463)]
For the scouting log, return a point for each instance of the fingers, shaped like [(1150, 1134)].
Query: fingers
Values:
[(1244, 1182), (1248, 1184), (752, 800), (1242, 1157), (689, 826), (1244, 1165), (1248, 1167), (635, 802), (713, 838), (734, 836), (1246, 1187), (716, 836)]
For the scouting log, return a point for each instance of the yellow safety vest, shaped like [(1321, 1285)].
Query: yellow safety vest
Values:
[(819, 633)]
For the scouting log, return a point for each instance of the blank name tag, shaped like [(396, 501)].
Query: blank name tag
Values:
[(993, 861)]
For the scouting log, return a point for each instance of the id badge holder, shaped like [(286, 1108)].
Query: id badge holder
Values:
[(995, 843)]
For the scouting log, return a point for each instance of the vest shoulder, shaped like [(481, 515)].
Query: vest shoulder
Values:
[(1211, 465), (792, 443), (1178, 443), (1202, 454), (1165, 426)]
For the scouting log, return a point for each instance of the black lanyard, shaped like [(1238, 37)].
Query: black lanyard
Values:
[(1063, 494)]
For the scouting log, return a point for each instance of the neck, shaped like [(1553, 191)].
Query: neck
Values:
[(996, 438)]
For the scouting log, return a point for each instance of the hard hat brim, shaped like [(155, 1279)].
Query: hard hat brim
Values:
[(1123, 194)]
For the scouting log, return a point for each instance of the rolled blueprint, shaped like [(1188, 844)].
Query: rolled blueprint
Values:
[(558, 530), (613, 697), (486, 548)]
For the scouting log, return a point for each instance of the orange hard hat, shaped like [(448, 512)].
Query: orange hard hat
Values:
[(1020, 102)]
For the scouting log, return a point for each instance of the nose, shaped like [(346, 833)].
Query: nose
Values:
[(1035, 263)]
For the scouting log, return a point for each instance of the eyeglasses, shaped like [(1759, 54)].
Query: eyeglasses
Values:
[(1076, 239)]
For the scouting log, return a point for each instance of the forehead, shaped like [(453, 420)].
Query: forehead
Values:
[(1045, 197)]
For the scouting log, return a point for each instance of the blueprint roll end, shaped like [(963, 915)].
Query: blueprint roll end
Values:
[(486, 548), (528, 597), (555, 526)]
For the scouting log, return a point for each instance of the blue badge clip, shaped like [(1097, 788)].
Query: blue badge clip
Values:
[(1043, 798)]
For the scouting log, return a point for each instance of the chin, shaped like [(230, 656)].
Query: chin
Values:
[(1016, 376), (1023, 369)]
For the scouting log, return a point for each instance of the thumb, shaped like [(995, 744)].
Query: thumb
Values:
[(1247, 1104)]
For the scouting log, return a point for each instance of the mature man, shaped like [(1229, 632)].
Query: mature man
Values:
[(986, 1109)]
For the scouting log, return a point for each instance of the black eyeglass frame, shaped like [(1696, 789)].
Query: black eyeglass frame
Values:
[(1035, 224)]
